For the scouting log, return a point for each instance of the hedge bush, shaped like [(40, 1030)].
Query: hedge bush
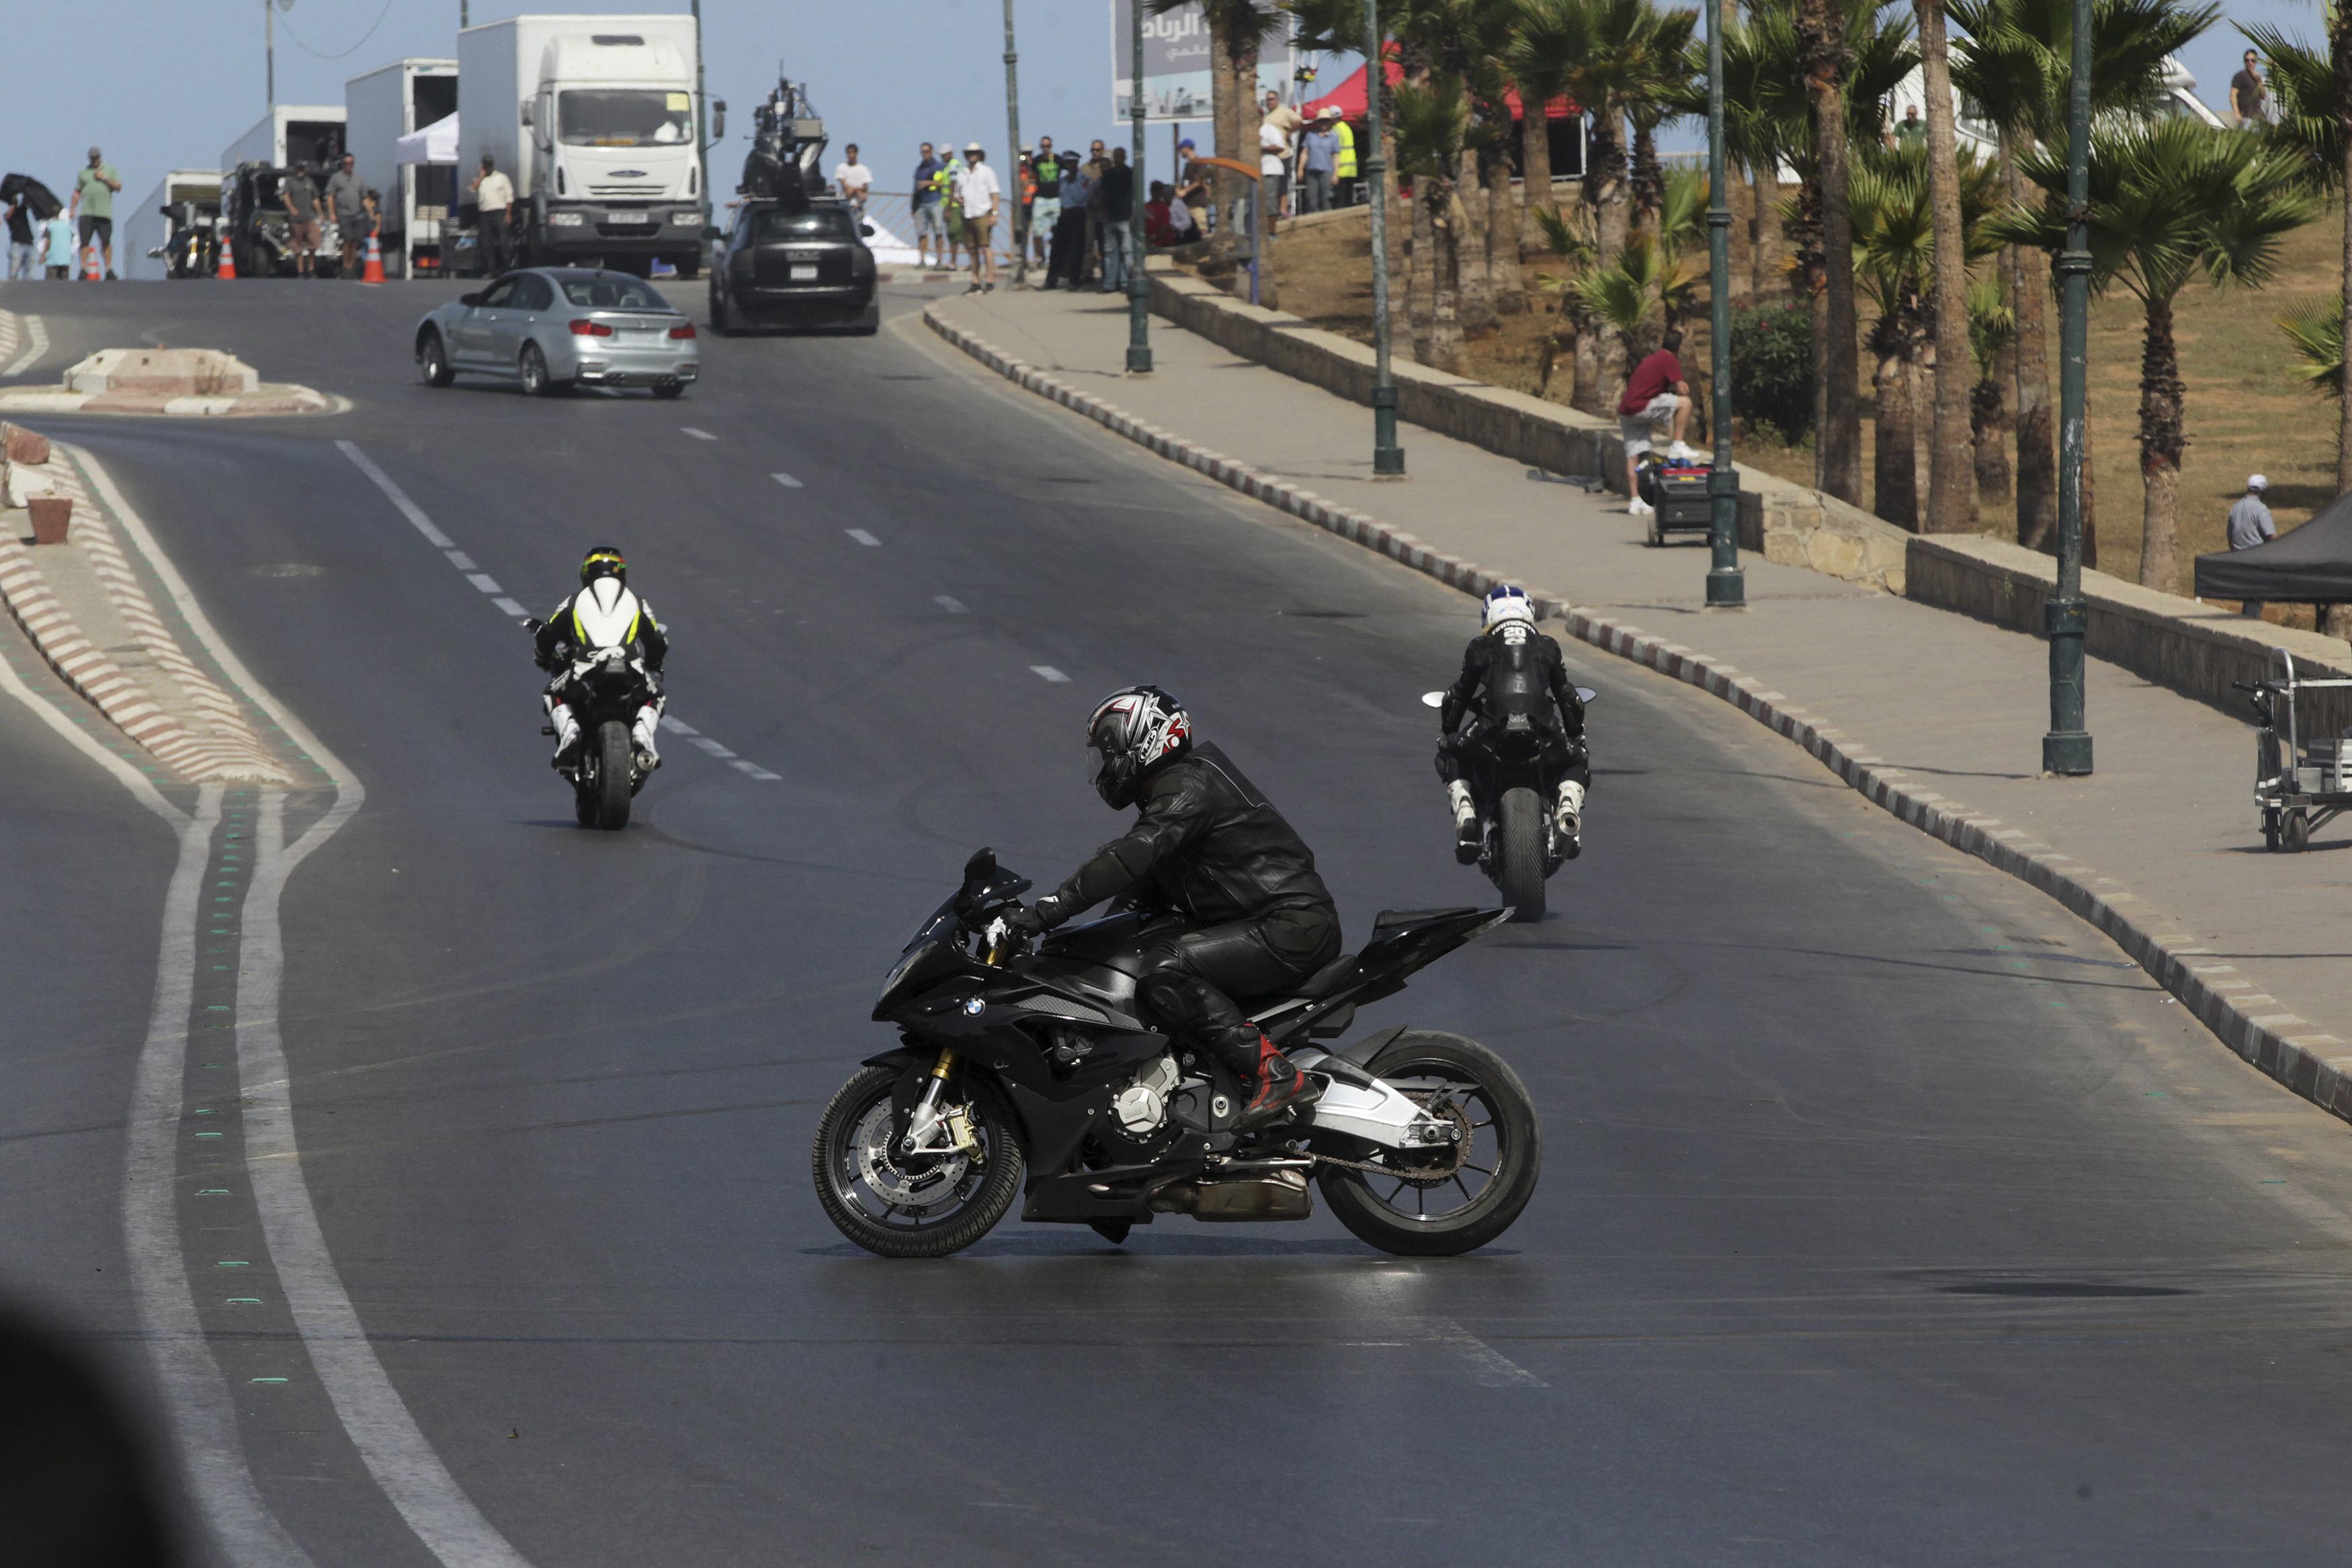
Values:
[(1773, 368)]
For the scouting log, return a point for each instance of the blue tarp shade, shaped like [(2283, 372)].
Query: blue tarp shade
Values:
[(2311, 565)]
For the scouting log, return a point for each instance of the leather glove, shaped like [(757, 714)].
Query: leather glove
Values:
[(1024, 923)]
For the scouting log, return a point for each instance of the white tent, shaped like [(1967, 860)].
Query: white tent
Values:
[(437, 143)]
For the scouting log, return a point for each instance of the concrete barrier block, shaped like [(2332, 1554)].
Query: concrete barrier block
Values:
[(26, 447)]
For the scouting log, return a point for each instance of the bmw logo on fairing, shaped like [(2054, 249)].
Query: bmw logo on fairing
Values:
[(974, 1006)]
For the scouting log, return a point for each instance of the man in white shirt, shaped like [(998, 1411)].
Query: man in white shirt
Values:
[(977, 193), (1287, 123), (855, 180)]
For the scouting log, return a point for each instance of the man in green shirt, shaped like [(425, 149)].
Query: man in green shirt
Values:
[(93, 205)]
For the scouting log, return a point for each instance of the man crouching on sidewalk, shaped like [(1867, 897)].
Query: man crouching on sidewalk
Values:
[(1655, 391)]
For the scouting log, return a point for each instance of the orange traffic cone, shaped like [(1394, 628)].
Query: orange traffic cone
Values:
[(90, 274), (227, 267), (373, 272)]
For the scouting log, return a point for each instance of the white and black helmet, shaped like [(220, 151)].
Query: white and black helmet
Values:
[(1134, 731), (1507, 601)]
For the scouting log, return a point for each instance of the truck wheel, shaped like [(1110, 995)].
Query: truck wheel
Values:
[(432, 361)]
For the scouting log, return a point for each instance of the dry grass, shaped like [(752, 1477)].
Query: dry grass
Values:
[(2246, 410)]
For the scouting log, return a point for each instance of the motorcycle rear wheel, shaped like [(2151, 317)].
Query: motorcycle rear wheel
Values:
[(1519, 853), (613, 776), (929, 1206), (1416, 1214)]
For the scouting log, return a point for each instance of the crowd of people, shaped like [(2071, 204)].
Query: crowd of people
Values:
[(1072, 214), (61, 245)]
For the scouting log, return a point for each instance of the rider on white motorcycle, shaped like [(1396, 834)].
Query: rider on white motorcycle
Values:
[(1511, 668), (603, 614)]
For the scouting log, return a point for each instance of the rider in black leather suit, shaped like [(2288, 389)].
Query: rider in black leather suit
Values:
[(1206, 845), (1512, 668)]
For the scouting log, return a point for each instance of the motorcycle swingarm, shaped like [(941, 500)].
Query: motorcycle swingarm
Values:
[(1356, 1104)]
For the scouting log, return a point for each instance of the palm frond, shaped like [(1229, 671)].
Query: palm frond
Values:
[(2315, 330)]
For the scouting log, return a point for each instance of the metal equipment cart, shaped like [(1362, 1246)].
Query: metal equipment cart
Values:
[(2299, 784)]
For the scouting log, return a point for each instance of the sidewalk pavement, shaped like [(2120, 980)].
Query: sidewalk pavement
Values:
[(2160, 847)]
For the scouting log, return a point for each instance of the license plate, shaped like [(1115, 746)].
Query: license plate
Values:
[(804, 274)]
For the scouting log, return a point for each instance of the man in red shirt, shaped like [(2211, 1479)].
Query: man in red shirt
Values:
[(1655, 391)]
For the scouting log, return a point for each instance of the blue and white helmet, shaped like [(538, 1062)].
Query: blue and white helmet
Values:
[(1509, 601)]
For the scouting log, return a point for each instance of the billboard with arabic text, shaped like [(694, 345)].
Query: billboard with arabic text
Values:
[(1176, 63)]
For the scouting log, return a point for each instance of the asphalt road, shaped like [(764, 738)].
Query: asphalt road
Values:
[(1887, 1215)]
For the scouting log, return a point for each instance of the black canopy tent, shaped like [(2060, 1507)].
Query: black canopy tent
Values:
[(2313, 565)]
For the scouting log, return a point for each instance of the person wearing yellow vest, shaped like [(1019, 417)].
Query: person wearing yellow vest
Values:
[(950, 209)]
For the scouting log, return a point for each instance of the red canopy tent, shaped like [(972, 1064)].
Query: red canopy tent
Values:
[(1348, 98)]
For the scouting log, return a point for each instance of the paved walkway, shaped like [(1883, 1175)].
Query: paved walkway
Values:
[(1958, 705)]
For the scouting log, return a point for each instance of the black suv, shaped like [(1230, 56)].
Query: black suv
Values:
[(782, 267)]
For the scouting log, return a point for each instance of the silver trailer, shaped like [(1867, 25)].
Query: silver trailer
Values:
[(382, 107)]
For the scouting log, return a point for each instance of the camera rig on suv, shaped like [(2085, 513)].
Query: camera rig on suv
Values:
[(787, 140)]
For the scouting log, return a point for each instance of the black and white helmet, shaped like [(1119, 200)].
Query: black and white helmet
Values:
[(1133, 732)]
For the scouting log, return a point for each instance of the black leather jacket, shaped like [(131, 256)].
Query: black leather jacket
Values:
[(1205, 844), (1513, 669)]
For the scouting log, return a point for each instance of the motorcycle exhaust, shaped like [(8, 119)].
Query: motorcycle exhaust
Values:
[(1280, 1196)]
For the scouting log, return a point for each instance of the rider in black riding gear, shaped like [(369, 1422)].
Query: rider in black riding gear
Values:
[(1510, 669), (1208, 846), (591, 620)]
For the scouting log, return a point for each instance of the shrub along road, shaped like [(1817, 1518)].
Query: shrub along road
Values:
[(1887, 1217)]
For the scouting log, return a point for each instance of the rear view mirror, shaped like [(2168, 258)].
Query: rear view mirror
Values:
[(719, 120), (1585, 694), (1433, 699)]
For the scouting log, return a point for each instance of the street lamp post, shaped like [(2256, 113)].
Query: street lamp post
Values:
[(1138, 287), (1388, 457), (1011, 194), (2067, 749), (1726, 587)]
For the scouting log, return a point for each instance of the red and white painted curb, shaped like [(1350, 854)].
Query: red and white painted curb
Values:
[(228, 749), (2282, 1045)]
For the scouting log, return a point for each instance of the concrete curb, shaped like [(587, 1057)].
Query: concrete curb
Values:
[(2316, 1065), (231, 752), (290, 400)]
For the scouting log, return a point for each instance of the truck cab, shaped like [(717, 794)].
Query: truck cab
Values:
[(615, 173)]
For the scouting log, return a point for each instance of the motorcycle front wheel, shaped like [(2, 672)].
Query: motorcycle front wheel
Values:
[(1519, 853), (1438, 1203), (900, 1205)]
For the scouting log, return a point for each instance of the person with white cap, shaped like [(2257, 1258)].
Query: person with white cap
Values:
[(977, 193), (2250, 527)]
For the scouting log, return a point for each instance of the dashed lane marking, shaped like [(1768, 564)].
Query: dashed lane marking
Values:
[(1049, 674), (497, 595), (787, 481), (697, 434), (862, 537), (950, 603)]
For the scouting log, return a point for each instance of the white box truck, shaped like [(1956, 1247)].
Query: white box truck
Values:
[(310, 134), (594, 119), (170, 234), (381, 108)]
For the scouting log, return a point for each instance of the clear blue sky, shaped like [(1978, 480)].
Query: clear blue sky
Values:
[(166, 84)]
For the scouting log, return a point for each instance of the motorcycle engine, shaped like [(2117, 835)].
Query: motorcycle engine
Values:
[(1142, 1105)]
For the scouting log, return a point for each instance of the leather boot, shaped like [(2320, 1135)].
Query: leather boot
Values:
[(1280, 1086), (1568, 818), (1466, 834)]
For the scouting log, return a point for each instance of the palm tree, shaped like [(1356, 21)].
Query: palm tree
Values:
[(1674, 87), (1822, 61), (2170, 200), (2316, 121), (1951, 494), (1992, 332), (1237, 29), (1600, 49), (2017, 70), (2315, 330), (1431, 123), (1568, 237), (1541, 78)]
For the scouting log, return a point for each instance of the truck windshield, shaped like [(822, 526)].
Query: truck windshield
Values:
[(624, 117)]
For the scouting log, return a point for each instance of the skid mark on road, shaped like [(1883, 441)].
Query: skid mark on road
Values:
[(489, 587)]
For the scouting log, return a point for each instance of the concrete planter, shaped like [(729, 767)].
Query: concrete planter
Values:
[(52, 518)]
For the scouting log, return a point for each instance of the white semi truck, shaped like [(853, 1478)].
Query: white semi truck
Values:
[(381, 108), (594, 119)]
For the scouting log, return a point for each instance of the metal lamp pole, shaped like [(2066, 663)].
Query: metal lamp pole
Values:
[(1011, 193), (2067, 749), (1388, 457), (1138, 287), (1726, 586)]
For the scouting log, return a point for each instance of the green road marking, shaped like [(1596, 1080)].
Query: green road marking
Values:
[(207, 1064), (234, 1264), (2272, 1181), (212, 1192), (269, 1380), (208, 1134), (2156, 1095), (204, 1111), (244, 1301)]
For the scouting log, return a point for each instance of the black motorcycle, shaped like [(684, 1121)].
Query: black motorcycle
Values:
[(1521, 843), (1029, 1072), (606, 687)]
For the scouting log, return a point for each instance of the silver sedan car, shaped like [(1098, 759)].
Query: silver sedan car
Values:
[(553, 326)]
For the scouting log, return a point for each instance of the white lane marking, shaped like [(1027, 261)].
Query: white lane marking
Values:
[(1492, 1368), (952, 606), (712, 747), (862, 537), (489, 585), (1049, 674), (697, 434), (389, 1441), (397, 496), (38, 345), (755, 770), (373, 1415), (787, 481)]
